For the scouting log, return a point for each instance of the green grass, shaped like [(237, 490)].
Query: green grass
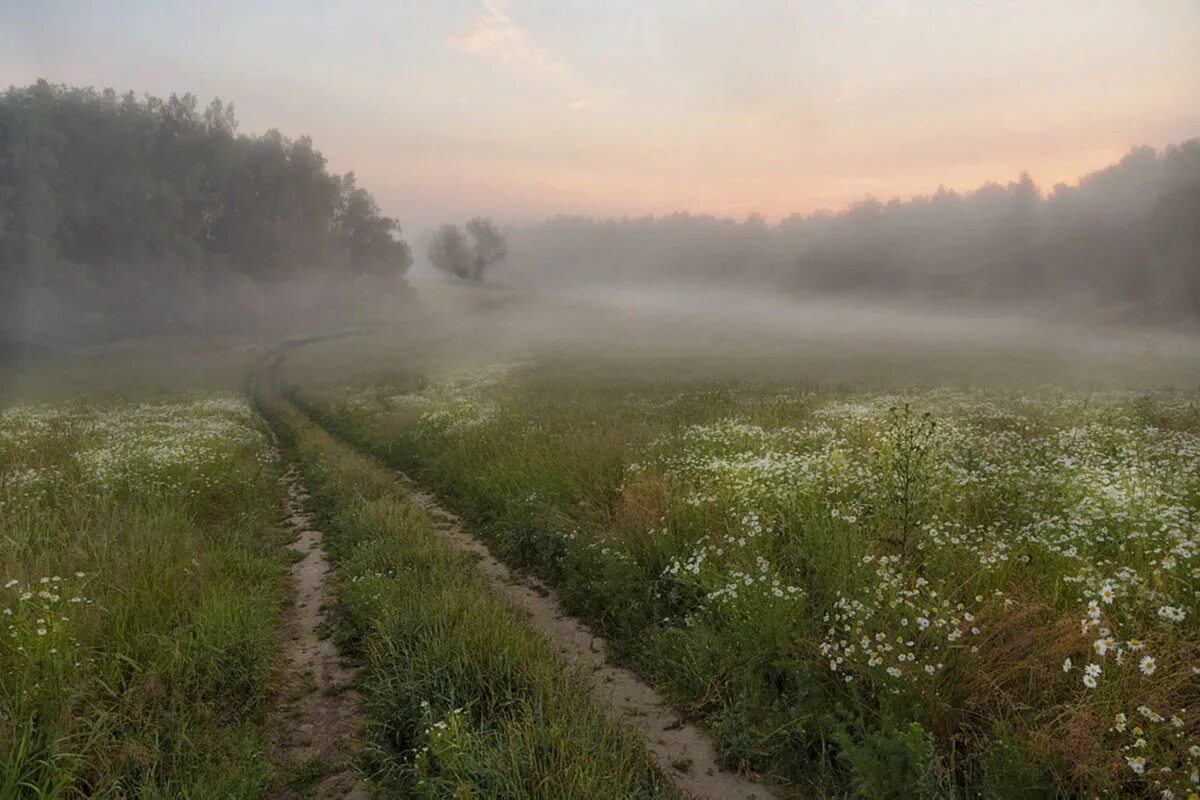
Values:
[(741, 516), (860, 593), (304, 778), (463, 699), (142, 571)]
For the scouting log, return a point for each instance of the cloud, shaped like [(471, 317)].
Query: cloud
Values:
[(495, 35)]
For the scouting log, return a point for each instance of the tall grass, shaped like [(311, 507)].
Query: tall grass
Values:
[(936, 594), (141, 574), (463, 699)]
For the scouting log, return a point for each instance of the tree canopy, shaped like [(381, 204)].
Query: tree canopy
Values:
[(131, 213), (452, 253)]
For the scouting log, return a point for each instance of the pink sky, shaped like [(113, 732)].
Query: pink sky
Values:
[(522, 109)]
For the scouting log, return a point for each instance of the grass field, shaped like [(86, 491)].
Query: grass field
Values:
[(917, 591), (878, 569), (462, 699), (141, 586), (143, 566)]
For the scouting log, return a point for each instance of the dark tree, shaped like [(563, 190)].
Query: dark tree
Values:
[(451, 252), (370, 241), (124, 214), (488, 245)]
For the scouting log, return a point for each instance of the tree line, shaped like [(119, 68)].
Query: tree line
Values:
[(125, 214), (1123, 243)]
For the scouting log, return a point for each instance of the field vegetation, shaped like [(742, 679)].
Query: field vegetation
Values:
[(901, 500), (864, 591), (927, 584), (141, 588), (462, 698)]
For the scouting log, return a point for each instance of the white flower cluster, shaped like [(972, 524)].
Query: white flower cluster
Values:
[(37, 615), (1085, 504), (899, 626), (186, 445)]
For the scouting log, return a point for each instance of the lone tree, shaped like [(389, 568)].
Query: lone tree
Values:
[(487, 244), (452, 253), (449, 251)]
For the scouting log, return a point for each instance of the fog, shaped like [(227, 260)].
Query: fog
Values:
[(127, 217), (1121, 244), (723, 333)]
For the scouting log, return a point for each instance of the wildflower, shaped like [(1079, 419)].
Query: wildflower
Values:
[(1121, 721), (1067, 664), (1093, 670), (1172, 613), (1136, 763), (1089, 681), (1147, 665), (1107, 594)]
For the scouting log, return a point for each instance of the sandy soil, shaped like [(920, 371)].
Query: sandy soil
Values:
[(315, 714)]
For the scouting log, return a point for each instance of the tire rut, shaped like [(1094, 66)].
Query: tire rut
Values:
[(683, 751), (313, 722)]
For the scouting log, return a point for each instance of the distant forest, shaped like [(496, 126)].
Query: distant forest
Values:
[(1123, 244), (122, 214)]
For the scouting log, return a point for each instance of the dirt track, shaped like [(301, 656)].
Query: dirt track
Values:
[(682, 750), (314, 719), (325, 713)]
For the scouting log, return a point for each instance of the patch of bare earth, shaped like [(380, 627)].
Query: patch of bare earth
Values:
[(682, 750), (314, 720)]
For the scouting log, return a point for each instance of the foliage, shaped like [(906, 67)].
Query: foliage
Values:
[(124, 214), (939, 591), (464, 699), (451, 253), (141, 587)]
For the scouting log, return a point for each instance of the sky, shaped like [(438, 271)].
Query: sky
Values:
[(525, 109)]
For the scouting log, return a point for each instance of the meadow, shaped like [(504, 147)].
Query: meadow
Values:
[(461, 698), (922, 590), (869, 568), (141, 588), (144, 575)]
